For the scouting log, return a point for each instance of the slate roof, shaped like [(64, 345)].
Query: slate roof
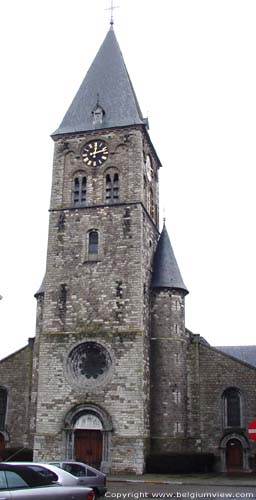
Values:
[(166, 273), (246, 353), (108, 85)]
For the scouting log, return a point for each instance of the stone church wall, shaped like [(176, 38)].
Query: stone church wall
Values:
[(214, 372), (120, 396), (15, 376)]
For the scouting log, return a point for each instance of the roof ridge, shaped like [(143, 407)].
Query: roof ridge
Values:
[(223, 353)]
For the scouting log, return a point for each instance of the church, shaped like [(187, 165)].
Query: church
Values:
[(113, 377)]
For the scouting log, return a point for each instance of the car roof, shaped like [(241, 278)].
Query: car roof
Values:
[(78, 463), (9, 465), (50, 466)]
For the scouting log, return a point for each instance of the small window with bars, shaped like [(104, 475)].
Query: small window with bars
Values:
[(177, 427), (3, 406), (112, 187), (79, 190), (151, 203)]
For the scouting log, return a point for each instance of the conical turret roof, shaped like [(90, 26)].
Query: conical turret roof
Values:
[(40, 291), (107, 84), (166, 273)]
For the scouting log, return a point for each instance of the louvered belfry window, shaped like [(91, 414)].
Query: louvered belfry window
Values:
[(79, 190), (112, 187)]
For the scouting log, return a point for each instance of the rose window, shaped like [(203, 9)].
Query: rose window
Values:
[(89, 363)]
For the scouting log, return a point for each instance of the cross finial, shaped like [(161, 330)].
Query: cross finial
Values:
[(111, 8), (164, 217)]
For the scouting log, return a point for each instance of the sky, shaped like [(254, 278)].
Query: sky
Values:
[(192, 64)]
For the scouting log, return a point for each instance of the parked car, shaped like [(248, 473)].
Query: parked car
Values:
[(19, 481), (86, 474), (71, 474)]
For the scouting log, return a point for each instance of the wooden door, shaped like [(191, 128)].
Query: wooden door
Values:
[(234, 454), (88, 447), (2, 446)]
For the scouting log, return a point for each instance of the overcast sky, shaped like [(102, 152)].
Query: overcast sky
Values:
[(192, 64)]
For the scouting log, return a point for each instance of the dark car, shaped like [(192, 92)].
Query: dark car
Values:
[(87, 475), (21, 482)]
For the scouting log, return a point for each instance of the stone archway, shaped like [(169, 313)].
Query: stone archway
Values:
[(88, 434), (234, 453)]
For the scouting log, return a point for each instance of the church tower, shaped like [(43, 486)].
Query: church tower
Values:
[(93, 335)]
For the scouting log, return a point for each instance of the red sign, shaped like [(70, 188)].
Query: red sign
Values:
[(252, 430)]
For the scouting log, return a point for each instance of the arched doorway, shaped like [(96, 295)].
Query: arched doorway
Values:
[(234, 452), (88, 429), (234, 455), (88, 440)]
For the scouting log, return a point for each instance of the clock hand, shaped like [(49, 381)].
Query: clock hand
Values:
[(97, 151), (104, 150)]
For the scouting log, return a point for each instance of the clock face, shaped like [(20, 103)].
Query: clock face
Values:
[(95, 153), (149, 168)]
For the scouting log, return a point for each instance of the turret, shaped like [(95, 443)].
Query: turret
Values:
[(168, 350)]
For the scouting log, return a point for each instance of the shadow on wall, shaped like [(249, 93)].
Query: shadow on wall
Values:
[(17, 455), (179, 463)]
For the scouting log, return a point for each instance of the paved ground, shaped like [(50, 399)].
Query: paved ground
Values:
[(189, 479), (190, 487)]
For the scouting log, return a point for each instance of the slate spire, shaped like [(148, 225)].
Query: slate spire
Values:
[(166, 273), (107, 84)]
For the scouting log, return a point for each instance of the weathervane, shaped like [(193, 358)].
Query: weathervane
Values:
[(111, 8)]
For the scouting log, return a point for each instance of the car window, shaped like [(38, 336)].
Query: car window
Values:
[(91, 473), (45, 472), (75, 469), (3, 484), (14, 480)]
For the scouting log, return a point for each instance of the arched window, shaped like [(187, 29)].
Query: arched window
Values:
[(232, 407), (93, 243), (3, 406), (112, 187), (79, 190)]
